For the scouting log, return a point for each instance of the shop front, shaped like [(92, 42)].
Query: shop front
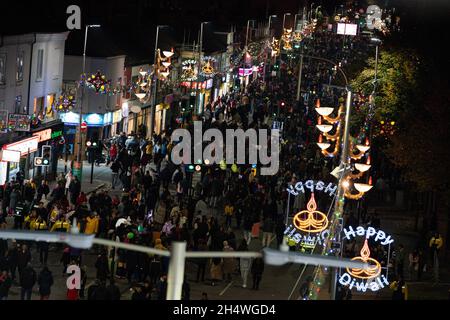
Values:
[(51, 137), (117, 124), (15, 158)]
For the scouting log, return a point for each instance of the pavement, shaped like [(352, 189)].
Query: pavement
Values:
[(277, 282)]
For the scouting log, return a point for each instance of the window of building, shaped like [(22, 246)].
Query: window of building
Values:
[(2, 69), (18, 104), (56, 65), (40, 64), (19, 66)]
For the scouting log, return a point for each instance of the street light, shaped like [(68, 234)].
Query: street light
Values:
[(246, 35), (198, 64), (79, 162), (284, 19), (270, 21)]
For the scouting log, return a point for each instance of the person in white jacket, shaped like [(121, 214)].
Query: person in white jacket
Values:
[(68, 181), (244, 264)]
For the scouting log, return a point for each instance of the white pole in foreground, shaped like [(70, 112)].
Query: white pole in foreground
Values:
[(175, 277)]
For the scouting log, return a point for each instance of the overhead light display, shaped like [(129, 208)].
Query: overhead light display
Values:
[(189, 72), (208, 69), (97, 82)]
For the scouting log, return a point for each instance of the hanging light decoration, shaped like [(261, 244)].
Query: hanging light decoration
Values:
[(208, 70), (97, 82), (65, 103), (189, 72), (275, 46), (287, 39)]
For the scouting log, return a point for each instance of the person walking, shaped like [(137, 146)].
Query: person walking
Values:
[(244, 264), (5, 284), (216, 270), (268, 228), (257, 271), (435, 244), (74, 190), (45, 282), (202, 247), (27, 282), (399, 260), (23, 258), (229, 264)]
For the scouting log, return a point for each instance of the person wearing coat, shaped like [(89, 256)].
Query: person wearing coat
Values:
[(244, 264), (257, 271), (102, 267), (216, 270), (5, 285), (229, 264), (45, 282), (27, 281)]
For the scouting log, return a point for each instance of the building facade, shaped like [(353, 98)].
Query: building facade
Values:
[(31, 70)]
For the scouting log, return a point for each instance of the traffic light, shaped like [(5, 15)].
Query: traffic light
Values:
[(46, 155), (190, 168), (38, 161)]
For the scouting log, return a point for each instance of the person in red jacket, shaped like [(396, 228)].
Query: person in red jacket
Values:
[(113, 152), (81, 199), (72, 294)]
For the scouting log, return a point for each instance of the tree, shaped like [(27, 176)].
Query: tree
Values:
[(422, 148), (397, 85)]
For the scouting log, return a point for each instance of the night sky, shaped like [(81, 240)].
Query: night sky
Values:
[(128, 27)]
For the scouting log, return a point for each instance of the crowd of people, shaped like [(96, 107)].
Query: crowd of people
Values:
[(224, 210)]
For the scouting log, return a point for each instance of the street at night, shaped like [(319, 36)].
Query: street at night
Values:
[(247, 151)]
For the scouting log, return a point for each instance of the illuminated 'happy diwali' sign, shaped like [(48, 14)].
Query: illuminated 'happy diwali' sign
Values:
[(312, 186), (310, 226), (370, 278), (311, 220)]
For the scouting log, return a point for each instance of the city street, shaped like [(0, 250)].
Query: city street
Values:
[(189, 150)]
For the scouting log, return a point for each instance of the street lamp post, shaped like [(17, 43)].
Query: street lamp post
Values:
[(270, 22), (155, 84), (284, 19), (339, 205), (310, 12), (78, 167), (197, 100)]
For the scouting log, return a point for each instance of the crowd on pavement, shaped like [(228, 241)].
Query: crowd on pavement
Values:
[(160, 204)]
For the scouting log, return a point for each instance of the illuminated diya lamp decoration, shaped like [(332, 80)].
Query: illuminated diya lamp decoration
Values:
[(311, 220), (374, 269), (208, 69)]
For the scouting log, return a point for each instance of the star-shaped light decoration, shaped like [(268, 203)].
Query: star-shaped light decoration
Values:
[(97, 82)]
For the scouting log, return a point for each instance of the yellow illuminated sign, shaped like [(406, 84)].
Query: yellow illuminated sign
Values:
[(311, 220), (374, 269)]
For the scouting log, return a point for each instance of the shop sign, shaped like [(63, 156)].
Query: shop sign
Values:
[(312, 186), (209, 84), (57, 134), (245, 72), (25, 146), (117, 116), (93, 119), (3, 121), (70, 118), (44, 135), (125, 109), (19, 122), (107, 118), (3, 169), (371, 278), (9, 156)]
